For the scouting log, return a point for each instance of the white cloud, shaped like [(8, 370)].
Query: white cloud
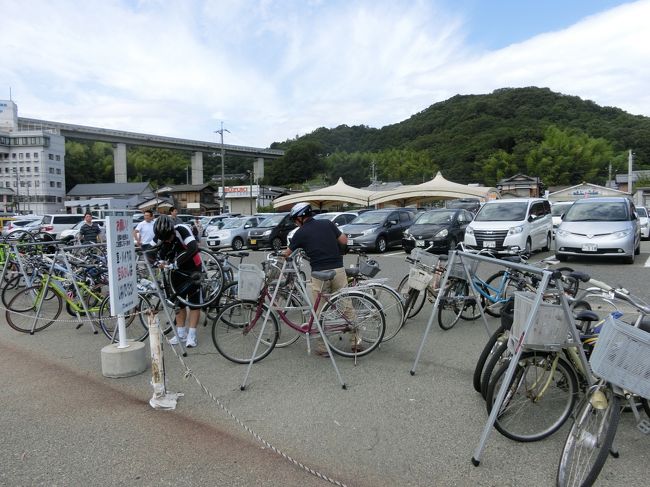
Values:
[(275, 69)]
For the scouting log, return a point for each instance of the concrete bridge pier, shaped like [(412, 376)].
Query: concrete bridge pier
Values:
[(197, 168), (258, 169), (119, 162)]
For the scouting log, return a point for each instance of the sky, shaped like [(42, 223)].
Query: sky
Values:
[(272, 70)]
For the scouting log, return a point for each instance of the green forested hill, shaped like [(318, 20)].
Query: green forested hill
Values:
[(481, 138), (470, 138)]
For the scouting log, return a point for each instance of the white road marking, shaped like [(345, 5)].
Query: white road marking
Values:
[(647, 262)]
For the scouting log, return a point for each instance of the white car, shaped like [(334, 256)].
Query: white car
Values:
[(339, 218), (31, 225), (233, 233), (557, 210), (642, 212)]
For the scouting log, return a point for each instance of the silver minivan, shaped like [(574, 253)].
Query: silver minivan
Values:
[(520, 224)]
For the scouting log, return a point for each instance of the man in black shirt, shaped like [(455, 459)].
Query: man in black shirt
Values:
[(89, 232)]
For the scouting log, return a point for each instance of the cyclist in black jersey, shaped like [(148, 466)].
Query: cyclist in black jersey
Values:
[(179, 247)]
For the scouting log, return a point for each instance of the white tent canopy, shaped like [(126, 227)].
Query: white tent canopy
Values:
[(437, 189), (337, 193)]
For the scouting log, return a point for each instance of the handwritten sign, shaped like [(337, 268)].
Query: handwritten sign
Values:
[(122, 278)]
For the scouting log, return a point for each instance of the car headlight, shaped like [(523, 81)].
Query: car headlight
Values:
[(442, 233), (469, 231), (407, 232), (516, 230), (562, 233), (369, 231), (267, 233), (622, 233)]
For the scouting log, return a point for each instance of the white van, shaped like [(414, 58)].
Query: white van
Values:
[(520, 224), (55, 224)]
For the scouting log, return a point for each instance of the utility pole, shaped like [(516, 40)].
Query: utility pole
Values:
[(223, 168)]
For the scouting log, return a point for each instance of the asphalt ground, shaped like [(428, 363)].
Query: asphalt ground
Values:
[(63, 423)]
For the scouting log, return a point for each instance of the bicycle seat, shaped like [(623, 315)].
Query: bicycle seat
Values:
[(324, 275), (443, 257), (587, 315), (513, 258), (352, 271)]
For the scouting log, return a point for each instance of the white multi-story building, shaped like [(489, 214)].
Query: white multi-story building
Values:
[(31, 164)]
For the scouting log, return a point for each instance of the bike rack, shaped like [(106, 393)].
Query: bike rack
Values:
[(546, 276), (289, 266)]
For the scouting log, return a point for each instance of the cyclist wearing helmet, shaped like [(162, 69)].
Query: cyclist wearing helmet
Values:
[(178, 245), (322, 242)]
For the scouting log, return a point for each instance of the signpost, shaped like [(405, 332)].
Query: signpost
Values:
[(122, 278)]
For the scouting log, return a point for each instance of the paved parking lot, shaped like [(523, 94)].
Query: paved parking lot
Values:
[(63, 423)]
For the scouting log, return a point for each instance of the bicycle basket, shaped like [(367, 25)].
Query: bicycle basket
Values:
[(458, 269), (622, 356), (424, 258), (419, 279), (549, 329), (249, 281), (369, 268)]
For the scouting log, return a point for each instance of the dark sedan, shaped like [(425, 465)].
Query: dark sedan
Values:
[(440, 230)]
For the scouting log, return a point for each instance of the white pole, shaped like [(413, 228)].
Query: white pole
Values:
[(121, 330)]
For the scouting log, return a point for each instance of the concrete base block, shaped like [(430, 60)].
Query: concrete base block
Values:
[(124, 362)]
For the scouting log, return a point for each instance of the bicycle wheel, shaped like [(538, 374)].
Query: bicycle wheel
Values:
[(228, 295), (14, 285), (590, 439), (414, 300), (487, 351), (135, 320), (452, 302), (236, 332), (392, 306), (194, 288), (22, 310), (353, 323), (539, 397), (500, 355)]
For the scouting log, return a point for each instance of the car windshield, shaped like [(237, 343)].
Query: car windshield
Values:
[(641, 211), (233, 223), (272, 221), (597, 211), (435, 218), (369, 218), (560, 209), (502, 212)]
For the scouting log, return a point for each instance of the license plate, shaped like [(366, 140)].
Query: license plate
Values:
[(590, 247), (419, 243), (350, 241), (253, 241), (211, 243), (489, 244)]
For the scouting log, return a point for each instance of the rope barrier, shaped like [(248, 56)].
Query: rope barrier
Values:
[(189, 373)]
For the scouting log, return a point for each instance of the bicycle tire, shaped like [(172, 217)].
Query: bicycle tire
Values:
[(416, 303), (645, 404), (228, 295), (236, 330), (482, 358), (135, 320), (525, 415), (499, 355), (21, 310), (392, 306), (589, 441), (11, 288), (352, 336), (452, 303)]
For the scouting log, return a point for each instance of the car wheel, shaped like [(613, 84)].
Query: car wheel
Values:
[(547, 247), (629, 259), (381, 245), (237, 244), (529, 248), (276, 243), (637, 251), (452, 243)]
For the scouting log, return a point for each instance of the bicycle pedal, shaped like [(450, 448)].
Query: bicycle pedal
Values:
[(644, 426)]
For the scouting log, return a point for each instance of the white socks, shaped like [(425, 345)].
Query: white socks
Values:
[(181, 331)]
